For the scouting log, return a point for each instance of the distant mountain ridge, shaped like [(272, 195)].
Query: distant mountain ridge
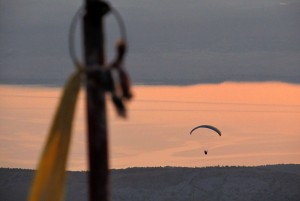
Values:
[(270, 182)]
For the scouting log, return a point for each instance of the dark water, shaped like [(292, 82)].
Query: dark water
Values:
[(276, 182)]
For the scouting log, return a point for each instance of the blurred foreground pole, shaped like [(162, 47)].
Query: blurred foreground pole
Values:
[(94, 56)]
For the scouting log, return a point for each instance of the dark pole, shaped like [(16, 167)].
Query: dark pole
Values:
[(94, 55)]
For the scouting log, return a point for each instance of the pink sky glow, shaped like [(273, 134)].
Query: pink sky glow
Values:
[(259, 124)]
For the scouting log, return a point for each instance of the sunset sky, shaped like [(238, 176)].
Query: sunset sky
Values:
[(259, 123), (233, 64)]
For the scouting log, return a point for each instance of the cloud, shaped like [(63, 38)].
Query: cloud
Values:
[(186, 43)]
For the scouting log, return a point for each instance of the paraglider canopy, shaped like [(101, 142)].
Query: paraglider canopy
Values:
[(207, 126), (205, 143)]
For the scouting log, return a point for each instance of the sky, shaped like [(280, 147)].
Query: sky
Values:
[(170, 42), (259, 124), (233, 64)]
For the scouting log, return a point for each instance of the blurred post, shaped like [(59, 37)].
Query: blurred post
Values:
[(94, 56)]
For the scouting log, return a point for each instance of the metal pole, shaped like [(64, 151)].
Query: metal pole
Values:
[(94, 55)]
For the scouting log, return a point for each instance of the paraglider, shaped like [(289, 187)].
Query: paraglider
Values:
[(207, 126), (217, 131)]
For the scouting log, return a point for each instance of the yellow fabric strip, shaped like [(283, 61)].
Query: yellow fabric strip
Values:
[(48, 184)]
